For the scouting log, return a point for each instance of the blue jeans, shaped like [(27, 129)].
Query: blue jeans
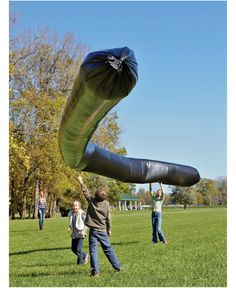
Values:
[(156, 227), (41, 217), (77, 248), (102, 237)]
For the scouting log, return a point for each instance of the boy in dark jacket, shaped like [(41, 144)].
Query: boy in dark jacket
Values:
[(98, 218)]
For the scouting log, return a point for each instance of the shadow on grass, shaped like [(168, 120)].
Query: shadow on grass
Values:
[(66, 248), (19, 231), (124, 243), (39, 274), (51, 264), (38, 250)]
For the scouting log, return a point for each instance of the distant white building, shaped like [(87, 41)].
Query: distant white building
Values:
[(146, 206), (129, 202)]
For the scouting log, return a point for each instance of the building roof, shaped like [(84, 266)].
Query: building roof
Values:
[(127, 197)]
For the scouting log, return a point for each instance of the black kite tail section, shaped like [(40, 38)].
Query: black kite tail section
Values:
[(106, 77)]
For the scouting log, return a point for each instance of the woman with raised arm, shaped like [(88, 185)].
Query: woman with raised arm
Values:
[(157, 202)]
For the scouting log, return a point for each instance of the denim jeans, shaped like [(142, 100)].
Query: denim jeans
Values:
[(156, 227), (41, 217), (77, 248), (102, 237)]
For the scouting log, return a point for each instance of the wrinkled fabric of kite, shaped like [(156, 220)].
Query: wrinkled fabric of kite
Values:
[(106, 77)]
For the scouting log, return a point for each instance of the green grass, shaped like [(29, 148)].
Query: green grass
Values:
[(195, 254)]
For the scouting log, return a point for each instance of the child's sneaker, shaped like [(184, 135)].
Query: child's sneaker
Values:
[(119, 269), (95, 274)]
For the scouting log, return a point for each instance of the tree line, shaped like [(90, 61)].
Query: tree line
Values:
[(207, 192), (42, 69)]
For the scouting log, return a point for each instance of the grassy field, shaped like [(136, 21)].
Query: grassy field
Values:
[(195, 254)]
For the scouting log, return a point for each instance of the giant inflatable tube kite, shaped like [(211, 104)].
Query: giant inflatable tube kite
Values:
[(106, 77)]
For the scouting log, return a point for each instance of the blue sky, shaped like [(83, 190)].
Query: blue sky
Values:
[(177, 110)]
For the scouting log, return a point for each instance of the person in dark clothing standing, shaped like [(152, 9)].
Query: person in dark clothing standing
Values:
[(98, 218)]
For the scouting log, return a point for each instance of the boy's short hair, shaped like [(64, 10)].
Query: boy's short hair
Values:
[(100, 194)]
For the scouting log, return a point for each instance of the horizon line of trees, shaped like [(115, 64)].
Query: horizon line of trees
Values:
[(207, 192)]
